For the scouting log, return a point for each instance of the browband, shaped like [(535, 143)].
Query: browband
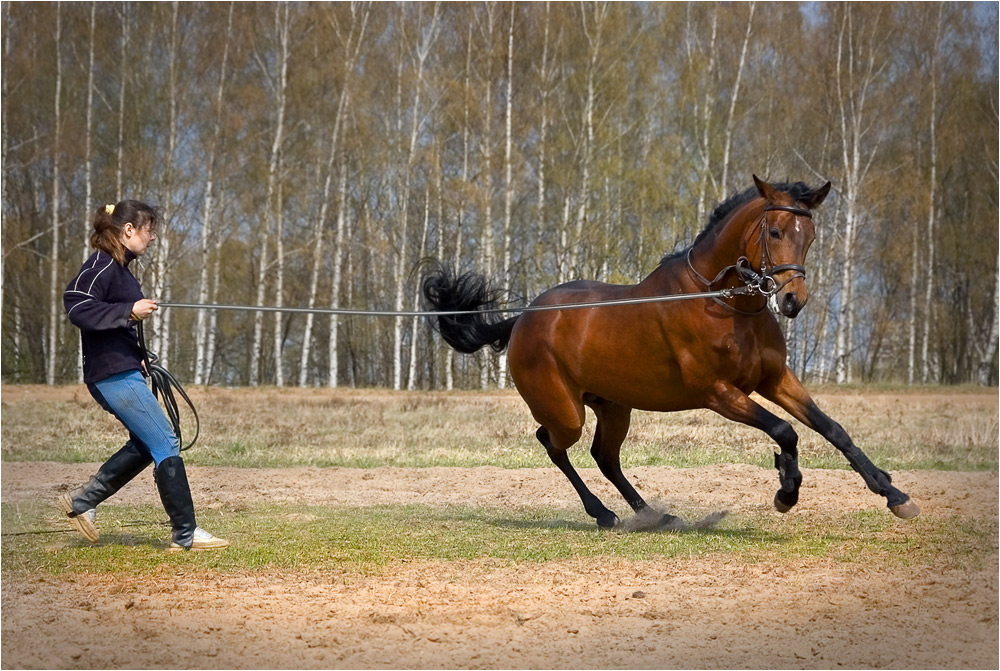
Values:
[(797, 211)]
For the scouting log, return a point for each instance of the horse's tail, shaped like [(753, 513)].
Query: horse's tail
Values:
[(468, 292)]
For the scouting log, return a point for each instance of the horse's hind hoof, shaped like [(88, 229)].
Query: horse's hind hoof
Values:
[(906, 510), (609, 521), (783, 501)]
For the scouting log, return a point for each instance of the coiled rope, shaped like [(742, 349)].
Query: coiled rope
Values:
[(161, 382)]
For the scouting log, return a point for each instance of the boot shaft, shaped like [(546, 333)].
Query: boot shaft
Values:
[(175, 494), (114, 474)]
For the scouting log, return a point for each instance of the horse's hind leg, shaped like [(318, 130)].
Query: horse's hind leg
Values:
[(793, 397), (556, 444), (613, 422)]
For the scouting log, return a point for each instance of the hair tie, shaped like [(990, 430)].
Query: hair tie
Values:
[(110, 209)]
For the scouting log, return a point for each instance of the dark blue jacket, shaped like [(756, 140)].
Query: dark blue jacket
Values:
[(99, 301)]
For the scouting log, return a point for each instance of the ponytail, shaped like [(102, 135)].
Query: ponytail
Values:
[(110, 220)]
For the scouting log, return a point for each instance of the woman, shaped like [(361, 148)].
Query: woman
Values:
[(105, 302)]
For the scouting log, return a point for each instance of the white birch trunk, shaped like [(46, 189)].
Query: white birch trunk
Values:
[(201, 367), (54, 293), (338, 265), (459, 226), (564, 242), (988, 352), (422, 52), (543, 127), (724, 184), (123, 72), (488, 242), (860, 77), (279, 279), (411, 381), (593, 34), (508, 187), (161, 276), (841, 352), (706, 120), (928, 372), (351, 48), (281, 28), (88, 198)]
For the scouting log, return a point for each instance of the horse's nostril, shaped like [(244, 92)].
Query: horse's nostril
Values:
[(790, 305)]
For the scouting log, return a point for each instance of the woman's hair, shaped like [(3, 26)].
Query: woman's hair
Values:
[(111, 220)]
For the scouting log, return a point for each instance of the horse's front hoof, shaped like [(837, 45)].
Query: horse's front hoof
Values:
[(670, 523), (784, 501), (609, 521), (906, 510)]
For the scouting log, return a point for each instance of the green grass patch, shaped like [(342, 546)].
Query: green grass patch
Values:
[(308, 538)]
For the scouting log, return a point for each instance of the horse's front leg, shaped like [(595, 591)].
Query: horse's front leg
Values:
[(793, 397), (733, 404)]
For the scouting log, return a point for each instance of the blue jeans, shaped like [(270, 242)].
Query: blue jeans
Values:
[(127, 397)]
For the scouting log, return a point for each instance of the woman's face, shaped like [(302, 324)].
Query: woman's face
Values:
[(138, 239)]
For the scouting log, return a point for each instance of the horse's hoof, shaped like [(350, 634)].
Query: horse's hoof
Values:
[(906, 510), (670, 523), (783, 506), (609, 521)]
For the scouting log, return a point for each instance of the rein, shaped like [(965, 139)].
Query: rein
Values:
[(762, 282), (161, 382)]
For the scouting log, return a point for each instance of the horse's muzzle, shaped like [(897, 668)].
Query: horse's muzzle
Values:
[(790, 305)]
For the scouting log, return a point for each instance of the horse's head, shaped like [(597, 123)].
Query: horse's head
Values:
[(781, 241)]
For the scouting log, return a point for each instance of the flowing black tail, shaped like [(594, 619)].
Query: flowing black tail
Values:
[(466, 333)]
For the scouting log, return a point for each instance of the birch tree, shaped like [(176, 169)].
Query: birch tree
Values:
[(55, 291), (88, 198), (351, 44), (859, 66), (277, 84), (162, 284), (426, 36), (927, 364), (733, 97), (203, 355), (508, 183)]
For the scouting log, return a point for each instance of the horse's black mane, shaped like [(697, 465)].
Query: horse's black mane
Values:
[(797, 190)]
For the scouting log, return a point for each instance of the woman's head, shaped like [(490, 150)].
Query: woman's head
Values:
[(127, 225)]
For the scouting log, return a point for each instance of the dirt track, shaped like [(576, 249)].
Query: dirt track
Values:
[(692, 613)]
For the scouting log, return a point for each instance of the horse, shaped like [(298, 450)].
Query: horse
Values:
[(710, 352)]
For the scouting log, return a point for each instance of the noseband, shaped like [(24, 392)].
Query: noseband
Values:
[(762, 282)]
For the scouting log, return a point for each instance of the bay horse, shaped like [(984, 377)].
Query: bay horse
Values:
[(667, 356)]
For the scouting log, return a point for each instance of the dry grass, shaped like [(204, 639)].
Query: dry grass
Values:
[(939, 428)]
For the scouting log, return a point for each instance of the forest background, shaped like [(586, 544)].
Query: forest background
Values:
[(310, 154)]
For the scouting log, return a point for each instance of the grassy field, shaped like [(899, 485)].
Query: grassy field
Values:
[(373, 539), (938, 428)]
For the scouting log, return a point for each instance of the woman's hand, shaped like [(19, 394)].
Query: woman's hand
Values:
[(143, 309)]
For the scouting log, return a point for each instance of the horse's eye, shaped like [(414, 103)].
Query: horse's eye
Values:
[(775, 233)]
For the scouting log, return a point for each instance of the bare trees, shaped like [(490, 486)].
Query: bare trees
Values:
[(311, 154)]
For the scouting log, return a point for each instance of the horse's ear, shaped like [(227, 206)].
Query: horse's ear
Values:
[(818, 196), (765, 190)]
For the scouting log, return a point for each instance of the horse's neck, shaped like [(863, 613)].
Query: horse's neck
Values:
[(726, 244)]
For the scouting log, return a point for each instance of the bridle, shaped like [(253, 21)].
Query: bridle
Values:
[(762, 282)]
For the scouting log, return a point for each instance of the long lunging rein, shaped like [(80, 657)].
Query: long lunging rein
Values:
[(763, 284)]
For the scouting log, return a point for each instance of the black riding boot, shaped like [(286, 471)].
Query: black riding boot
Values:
[(175, 494), (113, 474)]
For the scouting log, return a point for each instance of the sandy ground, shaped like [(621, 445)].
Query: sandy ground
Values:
[(700, 612)]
